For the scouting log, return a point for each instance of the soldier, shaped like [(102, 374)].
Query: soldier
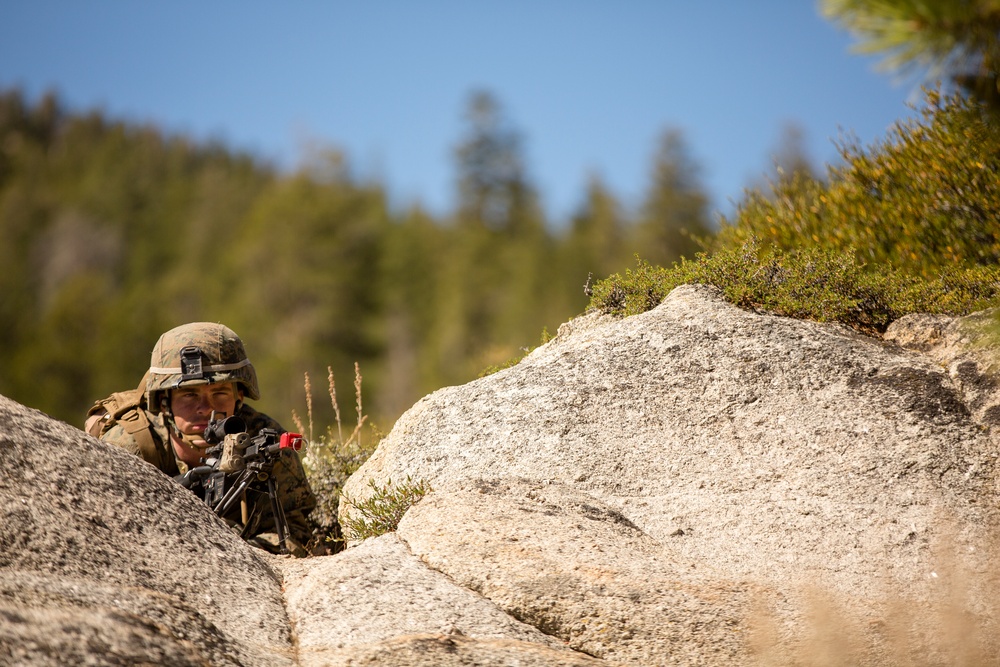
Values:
[(196, 370)]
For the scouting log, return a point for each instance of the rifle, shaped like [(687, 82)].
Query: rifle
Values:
[(253, 458)]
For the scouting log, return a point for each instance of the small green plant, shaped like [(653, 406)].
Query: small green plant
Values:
[(382, 511)]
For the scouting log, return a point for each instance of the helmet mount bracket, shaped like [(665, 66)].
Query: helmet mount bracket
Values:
[(191, 368)]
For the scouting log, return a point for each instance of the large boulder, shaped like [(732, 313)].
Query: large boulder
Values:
[(699, 484), (968, 348), (378, 604), (695, 485), (105, 560)]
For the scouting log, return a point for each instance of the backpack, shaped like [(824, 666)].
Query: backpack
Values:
[(127, 408)]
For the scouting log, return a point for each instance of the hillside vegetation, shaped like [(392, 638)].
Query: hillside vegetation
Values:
[(910, 224), (113, 232)]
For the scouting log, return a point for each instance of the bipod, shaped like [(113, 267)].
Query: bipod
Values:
[(259, 457)]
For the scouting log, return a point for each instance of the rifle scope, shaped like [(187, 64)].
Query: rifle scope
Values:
[(218, 429)]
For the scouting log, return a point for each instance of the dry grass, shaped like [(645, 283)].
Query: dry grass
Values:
[(954, 622)]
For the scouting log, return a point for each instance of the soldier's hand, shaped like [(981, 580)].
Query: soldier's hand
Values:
[(194, 476)]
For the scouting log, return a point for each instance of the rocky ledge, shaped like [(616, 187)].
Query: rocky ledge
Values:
[(695, 485)]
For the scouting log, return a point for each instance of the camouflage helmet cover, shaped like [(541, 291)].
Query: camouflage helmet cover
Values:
[(199, 353)]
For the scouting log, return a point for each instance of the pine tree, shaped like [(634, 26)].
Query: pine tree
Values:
[(791, 159), (493, 188), (675, 215), (939, 39), (594, 245), (497, 268)]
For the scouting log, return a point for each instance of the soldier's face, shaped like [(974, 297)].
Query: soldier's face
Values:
[(192, 406)]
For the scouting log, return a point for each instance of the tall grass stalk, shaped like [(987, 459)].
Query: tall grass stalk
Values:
[(357, 393), (332, 385)]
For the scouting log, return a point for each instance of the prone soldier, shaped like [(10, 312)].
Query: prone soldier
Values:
[(199, 372)]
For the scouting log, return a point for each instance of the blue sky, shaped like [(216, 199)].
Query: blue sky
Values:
[(590, 84)]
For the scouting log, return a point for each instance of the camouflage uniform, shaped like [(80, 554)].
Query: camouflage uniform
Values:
[(206, 353), (293, 488)]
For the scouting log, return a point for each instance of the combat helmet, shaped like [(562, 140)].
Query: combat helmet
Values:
[(198, 353)]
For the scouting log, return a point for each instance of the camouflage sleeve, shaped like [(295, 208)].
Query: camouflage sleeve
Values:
[(119, 437)]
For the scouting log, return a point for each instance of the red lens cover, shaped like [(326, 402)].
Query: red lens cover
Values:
[(291, 441)]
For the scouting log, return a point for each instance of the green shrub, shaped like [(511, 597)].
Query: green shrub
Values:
[(382, 511), (330, 458), (911, 225), (814, 283), (924, 200), (328, 465)]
